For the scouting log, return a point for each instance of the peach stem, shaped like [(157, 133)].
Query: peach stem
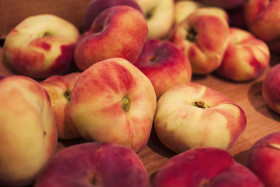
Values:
[(125, 104), (67, 94), (200, 104)]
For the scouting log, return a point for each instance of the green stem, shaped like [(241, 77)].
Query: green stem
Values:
[(125, 104)]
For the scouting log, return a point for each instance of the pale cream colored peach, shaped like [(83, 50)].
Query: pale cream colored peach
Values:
[(28, 134), (182, 124)]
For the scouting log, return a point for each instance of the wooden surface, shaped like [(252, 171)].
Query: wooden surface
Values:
[(260, 119), (13, 11)]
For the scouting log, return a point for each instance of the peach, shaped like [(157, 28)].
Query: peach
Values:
[(159, 15), (262, 18), (271, 90), (28, 135), (246, 57), (94, 164), (95, 7), (203, 36), (41, 46), (59, 88), (191, 115), (263, 159), (164, 64), (118, 32), (113, 101), (211, 167)]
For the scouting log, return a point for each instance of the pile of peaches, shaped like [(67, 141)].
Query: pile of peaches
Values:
[(130, 69)]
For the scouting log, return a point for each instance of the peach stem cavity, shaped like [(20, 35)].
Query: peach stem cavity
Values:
[(200, 104), (67, 94), (125, 104), (191, 35)]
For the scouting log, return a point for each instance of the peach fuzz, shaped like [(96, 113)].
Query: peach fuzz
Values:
[(262, 18), (59, 88), (271, 90), (113, 101), (118, 32), (164, 64), (28, 133), (95, 7), (246, 57), (263, 159), (203, 36), (94, 164), (192, 115), (41, 45), (211, 167)]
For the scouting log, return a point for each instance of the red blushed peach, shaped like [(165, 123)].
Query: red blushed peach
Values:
[(94, 164), (164, 64), (263, 159), (271, 90), (211, 167), (41, 46), (192, 115), (203, 36), (95, 7), (113, 101), (262, 18), (246, 57), (119, 31), (28, 135), (59, 89)]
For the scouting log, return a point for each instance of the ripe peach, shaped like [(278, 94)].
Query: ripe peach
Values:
[(271, 90), (28, 135), (263, 159), (113, 101), (203, 36), (95, 7), (211, 167), (119, 31), (41, 46), (246, 57), (94, 164), (164, 64), (192, 115), (59, 88)]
